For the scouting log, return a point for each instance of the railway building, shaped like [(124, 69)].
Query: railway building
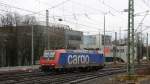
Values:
[(97, 42)]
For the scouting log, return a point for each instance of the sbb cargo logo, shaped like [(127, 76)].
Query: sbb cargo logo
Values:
[(78, 59)]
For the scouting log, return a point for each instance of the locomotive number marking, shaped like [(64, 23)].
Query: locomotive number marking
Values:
[(78, 59)]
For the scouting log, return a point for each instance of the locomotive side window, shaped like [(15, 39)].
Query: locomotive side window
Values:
[(49, 54)]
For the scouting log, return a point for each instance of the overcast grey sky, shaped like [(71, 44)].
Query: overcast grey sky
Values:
[(83, 15)]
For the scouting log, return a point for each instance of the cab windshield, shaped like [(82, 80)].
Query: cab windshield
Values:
[(49, 54)]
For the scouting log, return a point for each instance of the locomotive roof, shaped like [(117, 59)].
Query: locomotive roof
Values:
[(75, 51)]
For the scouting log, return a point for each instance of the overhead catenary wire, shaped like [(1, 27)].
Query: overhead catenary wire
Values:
[(75, 16), (44, 14), (57, 17), (142, 21), (146, 27), (11, 6), (33, 12), (80, 4), (145, 3), (65, 21), (52, 7), (109, 6), (57, 5), (76, 4), (81, 24), (68, 21)]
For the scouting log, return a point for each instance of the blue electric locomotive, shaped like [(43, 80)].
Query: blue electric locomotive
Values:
[(54, 60)]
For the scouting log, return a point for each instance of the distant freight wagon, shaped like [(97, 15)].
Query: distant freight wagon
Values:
[(65, 60)]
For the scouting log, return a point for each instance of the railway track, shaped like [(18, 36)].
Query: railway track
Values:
[(57, 78)]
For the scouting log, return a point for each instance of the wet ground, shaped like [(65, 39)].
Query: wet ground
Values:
[(110, 80)]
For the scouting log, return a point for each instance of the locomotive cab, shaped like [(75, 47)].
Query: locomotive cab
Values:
[(48, 59)]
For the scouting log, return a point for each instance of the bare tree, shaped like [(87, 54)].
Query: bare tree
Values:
[(14, 19), (18, 42), (10, 19), (29, 20)]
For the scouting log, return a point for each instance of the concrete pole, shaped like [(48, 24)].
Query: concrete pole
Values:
[(115, 49), (99, 40), (147, 48), (104, 35), (47, 25), (32, 44), (120, 43), (138, 46)]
